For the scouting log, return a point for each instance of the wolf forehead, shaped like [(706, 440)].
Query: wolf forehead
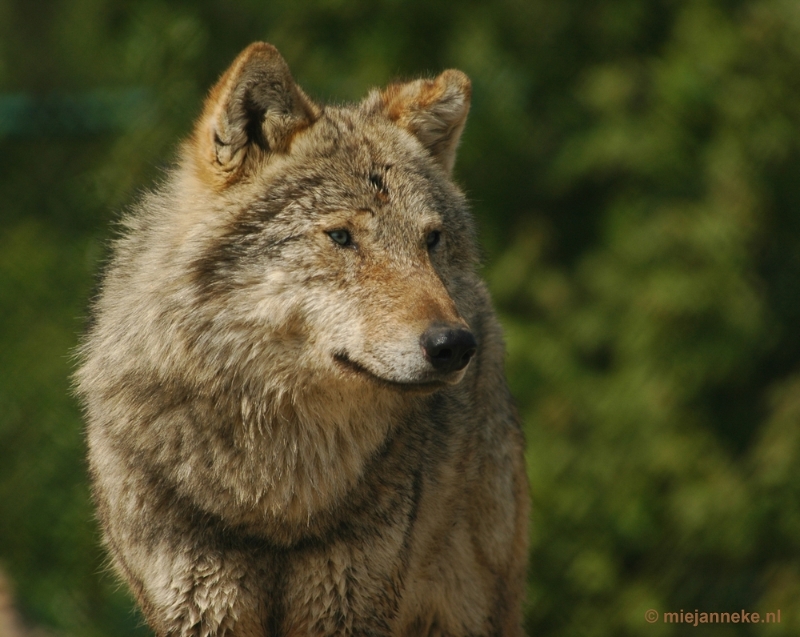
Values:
[(353, 158), (350, 164)]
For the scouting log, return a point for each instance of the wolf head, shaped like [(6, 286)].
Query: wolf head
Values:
[(329, 240)]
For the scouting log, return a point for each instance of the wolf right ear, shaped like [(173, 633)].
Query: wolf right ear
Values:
[(254, 110)]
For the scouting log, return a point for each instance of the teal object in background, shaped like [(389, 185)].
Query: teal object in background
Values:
[(101, 111)]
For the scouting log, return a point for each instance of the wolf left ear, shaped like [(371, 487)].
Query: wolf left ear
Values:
[(434, 111), (254, 110)]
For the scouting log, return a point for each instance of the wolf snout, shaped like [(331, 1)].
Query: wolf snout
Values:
[(448, 348)]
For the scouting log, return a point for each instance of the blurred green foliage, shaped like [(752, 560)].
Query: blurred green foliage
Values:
[(635, 169)]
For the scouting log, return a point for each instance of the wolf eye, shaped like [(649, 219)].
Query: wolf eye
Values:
[(432, 240), (341, 237)]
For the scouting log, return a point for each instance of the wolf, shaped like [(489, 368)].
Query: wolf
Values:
[(297, 416)]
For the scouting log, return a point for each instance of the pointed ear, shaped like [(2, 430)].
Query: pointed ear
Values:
[(254, 110), (435, 111)]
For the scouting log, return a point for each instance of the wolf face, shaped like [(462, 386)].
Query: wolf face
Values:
[(350, 252)]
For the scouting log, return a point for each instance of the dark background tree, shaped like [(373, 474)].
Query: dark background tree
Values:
[(635, 169)]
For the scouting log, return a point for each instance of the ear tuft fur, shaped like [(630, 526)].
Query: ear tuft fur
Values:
[(435, 111), (254, 110)]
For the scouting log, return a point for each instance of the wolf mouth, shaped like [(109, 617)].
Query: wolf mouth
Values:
[(426, 386)]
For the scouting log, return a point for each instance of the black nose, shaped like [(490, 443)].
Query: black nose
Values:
[(447, 348)]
